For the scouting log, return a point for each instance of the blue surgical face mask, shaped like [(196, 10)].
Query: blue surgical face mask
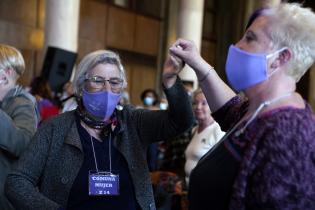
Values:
[(163, 106), (244, 69), (100, 104), (148, 101)]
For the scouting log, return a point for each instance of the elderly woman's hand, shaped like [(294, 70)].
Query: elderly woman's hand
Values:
[(172, 67), (188, 52)]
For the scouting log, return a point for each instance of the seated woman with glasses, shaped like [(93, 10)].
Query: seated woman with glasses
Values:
[(95, 156)]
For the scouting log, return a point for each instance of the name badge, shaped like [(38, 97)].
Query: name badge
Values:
[(103, 184)]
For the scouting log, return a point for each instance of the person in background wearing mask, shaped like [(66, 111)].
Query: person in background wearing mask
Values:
[(18, 115), (68, 100), (95, 157), (267, 158), (163, 102), (150, 99), (205, 134)]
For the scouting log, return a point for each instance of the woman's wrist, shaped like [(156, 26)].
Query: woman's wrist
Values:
[(169, 79), (205, 75)]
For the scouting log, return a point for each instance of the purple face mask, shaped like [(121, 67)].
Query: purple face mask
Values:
[(244, 69), (100, 104)]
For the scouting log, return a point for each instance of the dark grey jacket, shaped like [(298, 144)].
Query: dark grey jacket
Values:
[(18, 123), (55, 155)]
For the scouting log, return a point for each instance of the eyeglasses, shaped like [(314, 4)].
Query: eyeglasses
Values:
[(97, 83)]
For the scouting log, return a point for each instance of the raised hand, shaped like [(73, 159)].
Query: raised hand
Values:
[(187, 51), (172, 66)]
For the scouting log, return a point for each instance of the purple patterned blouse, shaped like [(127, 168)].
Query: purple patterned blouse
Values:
[(277, 169)]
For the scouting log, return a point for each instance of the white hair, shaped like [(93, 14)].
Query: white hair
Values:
[(292, 26), (11, 58), (90, 61)]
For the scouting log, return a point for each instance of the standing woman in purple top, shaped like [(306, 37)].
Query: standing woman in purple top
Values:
[(267, 158)]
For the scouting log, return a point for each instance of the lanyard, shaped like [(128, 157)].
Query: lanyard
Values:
[(109, 153), (240, 131), (260, 107)]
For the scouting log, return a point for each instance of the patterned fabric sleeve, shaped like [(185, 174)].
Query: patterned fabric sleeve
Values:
[(278, 169)]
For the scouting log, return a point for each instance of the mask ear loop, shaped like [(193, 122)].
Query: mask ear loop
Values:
[(271, 55)]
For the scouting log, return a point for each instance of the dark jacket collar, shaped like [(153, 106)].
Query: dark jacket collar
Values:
[(72, 135)]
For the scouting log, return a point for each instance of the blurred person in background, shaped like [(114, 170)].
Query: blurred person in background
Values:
[(67, 99), (163, 102), (18, 114), (40, 89), (171, 155), (205, 134), (149, 99)]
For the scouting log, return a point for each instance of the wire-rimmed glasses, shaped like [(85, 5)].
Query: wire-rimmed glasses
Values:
[(98, 83)]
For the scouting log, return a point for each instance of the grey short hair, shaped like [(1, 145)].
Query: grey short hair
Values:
[(90, 61), (290, 25)]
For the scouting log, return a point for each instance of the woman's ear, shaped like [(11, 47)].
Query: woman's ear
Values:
[(12, 75), (284, 57)]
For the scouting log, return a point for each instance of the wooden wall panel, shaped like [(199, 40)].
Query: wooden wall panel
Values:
[(19, 11), (21, 28), (208, 31), (209, 4), (151, 8), (22, 25), (41, 14), (208, 51), (93, 21), (147, 35), (29, 73), (21, 36), (120, 29), (142, 77), (128, 71), (39, 61), (86, 46), (311, 96)]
